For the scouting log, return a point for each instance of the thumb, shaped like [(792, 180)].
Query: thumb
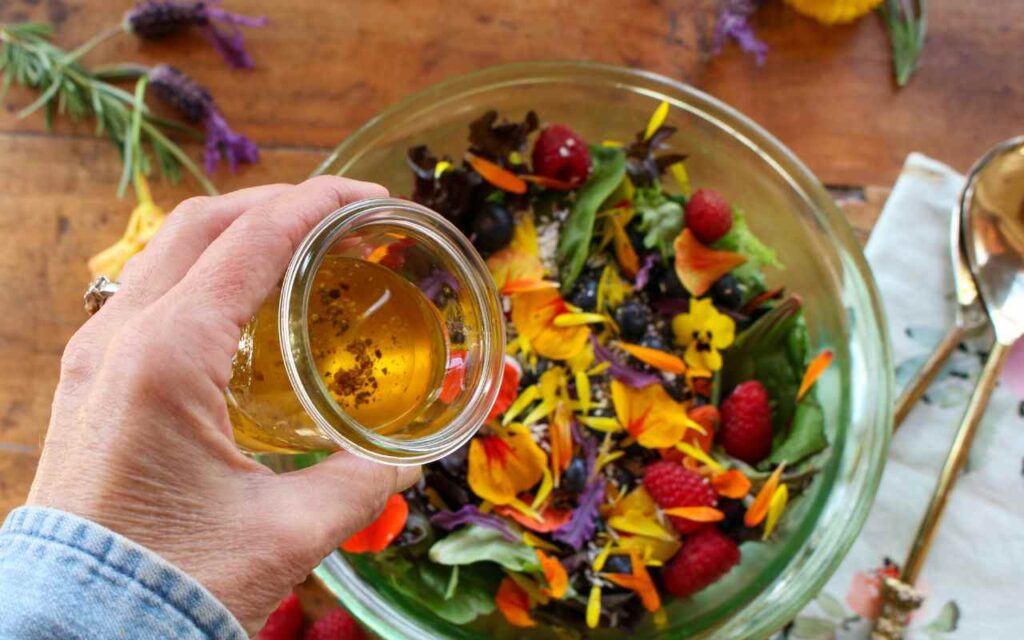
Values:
[(327, 503)]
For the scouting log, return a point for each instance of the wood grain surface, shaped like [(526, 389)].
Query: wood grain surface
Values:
[(325, 67)]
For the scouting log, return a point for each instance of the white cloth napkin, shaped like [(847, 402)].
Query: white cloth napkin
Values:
[(974, 576)]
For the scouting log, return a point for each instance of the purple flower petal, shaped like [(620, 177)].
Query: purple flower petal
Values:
[(156, 19), (222, 141), (622, 373), (470, 514), (589, 446), (643, 276), (583, 523), (436, 281), (733, 22)]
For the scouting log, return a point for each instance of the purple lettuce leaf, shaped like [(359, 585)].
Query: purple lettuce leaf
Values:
[(470, 514), (583, 524), (622, 373)]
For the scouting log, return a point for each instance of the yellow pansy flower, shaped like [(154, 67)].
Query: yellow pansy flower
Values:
[(704, 332)]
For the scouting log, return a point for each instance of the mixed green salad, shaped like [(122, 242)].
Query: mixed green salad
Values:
[(656, 413)]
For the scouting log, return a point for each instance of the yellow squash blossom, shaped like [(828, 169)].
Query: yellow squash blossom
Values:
[(703, 331), (534, 313), (834, 11), (649, 414), (503, 466), (146, 218)]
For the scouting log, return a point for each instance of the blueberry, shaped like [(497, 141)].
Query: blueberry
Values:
[(491, 228), (575, 477), (726, 293), (618, 564), (632, 319), (670, 285), (585, 296)]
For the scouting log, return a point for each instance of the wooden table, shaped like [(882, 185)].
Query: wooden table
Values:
[(325, 67)]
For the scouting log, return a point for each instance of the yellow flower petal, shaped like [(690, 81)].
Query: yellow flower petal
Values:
[(524, 238), (594, 607), (634, 522), (547, 483), (775, 509), (440, 168), (682, 178), (758, 509), (602, 424), (602, 557), (529, 395), (583, 390), (657, 119), (575, 319), (533, 314), (533, 540), (834, 11), (500, 467)]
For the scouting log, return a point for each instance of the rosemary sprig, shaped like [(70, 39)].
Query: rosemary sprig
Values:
[(907, 21), (66, 87)]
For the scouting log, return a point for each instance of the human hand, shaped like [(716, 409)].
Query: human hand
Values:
[(139, 438)]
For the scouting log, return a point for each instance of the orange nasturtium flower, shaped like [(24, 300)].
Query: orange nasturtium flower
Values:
[(650, 415), (534, 313), (517, 271), (555, 574), (503, 466), (382, 531), (703, 331), (514, 604)]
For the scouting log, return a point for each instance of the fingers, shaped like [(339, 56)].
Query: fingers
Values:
[(187, 232), (340, 496), (240, 268)]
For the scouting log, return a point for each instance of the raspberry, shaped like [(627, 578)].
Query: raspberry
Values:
[(746, 431), (561, 154), (336, 625), (672, 485), (706, 556), (708, 215), (285, 622)]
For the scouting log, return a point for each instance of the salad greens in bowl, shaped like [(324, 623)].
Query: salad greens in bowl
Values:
[(692, 422)]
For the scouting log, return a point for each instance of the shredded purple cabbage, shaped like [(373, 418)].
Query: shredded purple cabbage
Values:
[(733, 22), (622, 373), (470, 514), (583, 524), (643, 276)]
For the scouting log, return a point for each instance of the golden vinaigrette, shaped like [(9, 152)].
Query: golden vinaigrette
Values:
[(377, 342)]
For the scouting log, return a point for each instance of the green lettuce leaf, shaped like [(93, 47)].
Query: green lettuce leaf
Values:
[(741, 239), (479, 544), (458, 597), (806, 436), (661, 219), (609, 167)]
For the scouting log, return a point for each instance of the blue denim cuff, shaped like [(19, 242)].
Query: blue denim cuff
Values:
[(62, 576)]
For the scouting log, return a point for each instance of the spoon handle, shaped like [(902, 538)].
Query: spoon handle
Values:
[(955, 461), (914, 389)]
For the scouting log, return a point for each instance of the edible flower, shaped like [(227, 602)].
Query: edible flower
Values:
[(649, 414), (146, 218), (551, 518), (834, 11), (560, 437), (703, 331), (775, 508), (514, 604), (662, 360), (555, 574), (517, 271), (611, 289), (382, 531), (733, 22), (501, 466), (619, 371), (814, 371), (698, 266), (635, 519), (594, 606), (496, 175), (195, 104), (758, 509), (639, 581), (508, 389), (657, 119), (583, 523), (534, 313), (731, 484), (153, 19)]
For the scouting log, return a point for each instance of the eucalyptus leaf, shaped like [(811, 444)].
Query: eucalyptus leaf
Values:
[(479, 544), (609, 167), (806, 436)]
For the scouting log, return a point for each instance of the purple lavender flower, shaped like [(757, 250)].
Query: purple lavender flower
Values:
[(643, 276), (194, 102), (470, 514), (157, 19), (733, 22), (583, 523)]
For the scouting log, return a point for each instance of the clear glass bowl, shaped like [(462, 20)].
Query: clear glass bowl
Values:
[(790, 210)]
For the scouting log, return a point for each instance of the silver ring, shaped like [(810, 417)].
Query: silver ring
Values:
[(98, 292)]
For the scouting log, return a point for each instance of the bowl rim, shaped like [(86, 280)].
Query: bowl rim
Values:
[(852, 265)]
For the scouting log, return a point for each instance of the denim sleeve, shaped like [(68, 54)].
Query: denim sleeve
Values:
[(62, 576)]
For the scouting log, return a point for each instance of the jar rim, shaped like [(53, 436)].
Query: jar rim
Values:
[(293, 331)]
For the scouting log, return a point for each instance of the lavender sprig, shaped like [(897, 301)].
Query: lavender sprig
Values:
[(734, 23), (154, 19)]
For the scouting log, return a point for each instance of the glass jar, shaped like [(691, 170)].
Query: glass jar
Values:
[(284, 398)]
